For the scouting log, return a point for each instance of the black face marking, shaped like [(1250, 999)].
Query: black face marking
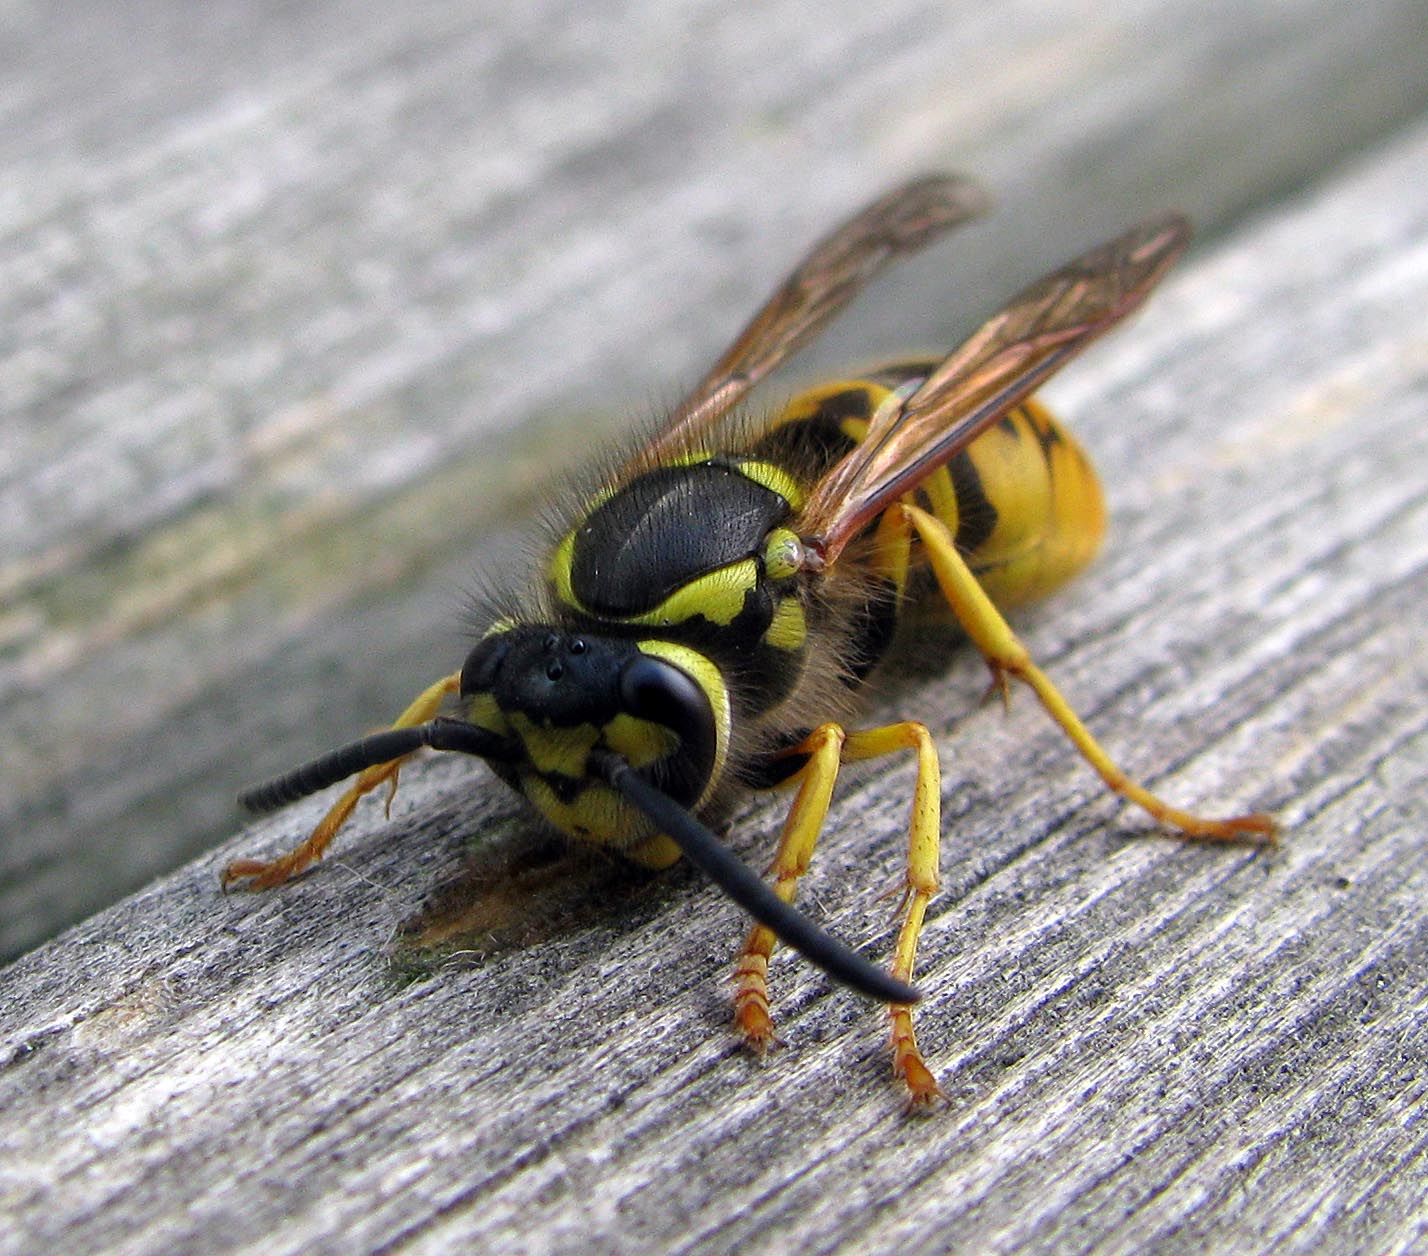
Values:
[(562, 678), (666, 528), (565, 788)]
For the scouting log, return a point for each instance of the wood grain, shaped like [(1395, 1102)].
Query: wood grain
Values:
[(1148, 1045), (299, 305)]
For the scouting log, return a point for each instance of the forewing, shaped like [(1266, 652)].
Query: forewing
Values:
[(1008, 357), (832, 274)]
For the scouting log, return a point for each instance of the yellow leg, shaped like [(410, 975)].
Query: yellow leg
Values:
[(1006, 656), (824, 746), (264, 874), (925, 833), (827, 747)]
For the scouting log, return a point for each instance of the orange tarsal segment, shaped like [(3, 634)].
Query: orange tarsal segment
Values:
[(828, 747), (1006, 656), (264, 874)]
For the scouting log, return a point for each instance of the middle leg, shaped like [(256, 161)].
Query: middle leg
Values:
[(824, 750)]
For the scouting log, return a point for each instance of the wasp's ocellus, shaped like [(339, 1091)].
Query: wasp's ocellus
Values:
[(705, 624)]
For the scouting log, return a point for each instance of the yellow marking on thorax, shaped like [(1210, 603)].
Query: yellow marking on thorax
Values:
[(776, 480), (788, 629), (783, 554), (559, 569), (718, 595)]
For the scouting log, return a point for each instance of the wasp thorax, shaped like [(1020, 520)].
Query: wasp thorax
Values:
[(666, 529)]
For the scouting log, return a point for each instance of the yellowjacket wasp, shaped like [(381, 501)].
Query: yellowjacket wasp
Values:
[(706, 623)]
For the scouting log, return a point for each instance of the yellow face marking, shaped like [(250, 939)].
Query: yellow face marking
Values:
[(556, 751), (483, 711), (639, 742), (655, 853), (597, 814)]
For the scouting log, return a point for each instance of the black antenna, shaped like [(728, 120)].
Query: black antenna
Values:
[(442, 733), (708, 853)]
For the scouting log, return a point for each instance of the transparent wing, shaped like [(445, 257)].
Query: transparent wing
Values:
[(825, 281), (1009, 356)]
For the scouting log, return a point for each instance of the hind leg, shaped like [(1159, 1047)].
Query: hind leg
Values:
[(1007, 657)]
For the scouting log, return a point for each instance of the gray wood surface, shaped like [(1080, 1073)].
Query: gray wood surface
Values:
[(287, 318), (299, 305)]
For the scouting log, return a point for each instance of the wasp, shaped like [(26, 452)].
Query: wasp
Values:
[(707, 621)]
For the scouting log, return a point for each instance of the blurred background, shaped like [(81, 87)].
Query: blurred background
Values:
[(301, 305)]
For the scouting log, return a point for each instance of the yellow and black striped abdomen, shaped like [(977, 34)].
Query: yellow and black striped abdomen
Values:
[(1028, 508), (1022, 499)]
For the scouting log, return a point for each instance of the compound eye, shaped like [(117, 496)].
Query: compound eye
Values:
[(651, 689), (483, 664)]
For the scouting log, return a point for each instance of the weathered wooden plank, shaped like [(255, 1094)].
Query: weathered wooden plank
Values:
[(1148, 1045), (293, 309)]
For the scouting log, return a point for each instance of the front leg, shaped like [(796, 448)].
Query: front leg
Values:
[(264, 874), (816, 777)]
